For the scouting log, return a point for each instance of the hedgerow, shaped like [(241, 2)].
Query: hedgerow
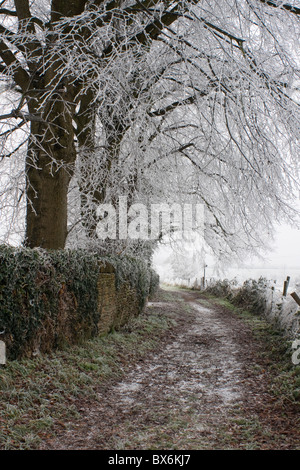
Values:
[(259, 297), (50, 297), (252, 295), (221, 288), (52, 294), (136, 272)]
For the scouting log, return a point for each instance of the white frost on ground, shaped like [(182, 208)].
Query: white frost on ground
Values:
[(202, 363)]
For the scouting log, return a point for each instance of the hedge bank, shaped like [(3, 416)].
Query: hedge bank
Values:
[(52, 298)]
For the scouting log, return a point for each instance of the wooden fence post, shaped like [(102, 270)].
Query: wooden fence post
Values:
[(296, 297), (285, 286)]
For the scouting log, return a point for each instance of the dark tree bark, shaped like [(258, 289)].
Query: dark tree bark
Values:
[(48, 172), (51, 151)]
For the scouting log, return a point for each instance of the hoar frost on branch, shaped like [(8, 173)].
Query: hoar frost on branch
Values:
[(160, 101)]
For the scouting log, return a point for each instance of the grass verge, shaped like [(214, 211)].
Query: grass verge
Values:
[(40, 395), (275, 350), (275, 422)]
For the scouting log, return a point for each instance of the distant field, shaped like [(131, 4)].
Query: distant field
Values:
[(277, 276)]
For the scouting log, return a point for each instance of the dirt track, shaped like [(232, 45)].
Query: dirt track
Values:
[(202, 389)]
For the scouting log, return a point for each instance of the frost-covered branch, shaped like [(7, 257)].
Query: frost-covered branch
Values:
[(152, 100)]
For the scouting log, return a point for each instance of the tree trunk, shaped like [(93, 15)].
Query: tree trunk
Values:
[(49, 166), (46, 219)]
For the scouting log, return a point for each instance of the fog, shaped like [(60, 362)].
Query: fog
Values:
[(282, 260)]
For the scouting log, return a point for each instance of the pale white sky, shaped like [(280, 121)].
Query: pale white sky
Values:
[(286, 249)]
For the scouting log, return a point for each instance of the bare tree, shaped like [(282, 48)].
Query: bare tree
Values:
[(122, 94)]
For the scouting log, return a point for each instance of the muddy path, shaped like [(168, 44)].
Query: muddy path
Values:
[(203, 388)]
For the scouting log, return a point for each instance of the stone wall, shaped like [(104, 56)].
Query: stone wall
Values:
[(116, 306)]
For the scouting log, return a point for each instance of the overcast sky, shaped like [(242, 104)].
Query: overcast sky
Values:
[(286, 249), (283, 260)]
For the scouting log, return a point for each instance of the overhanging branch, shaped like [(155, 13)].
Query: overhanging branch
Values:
[(20, 75), (284, 6), (16, 114)]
